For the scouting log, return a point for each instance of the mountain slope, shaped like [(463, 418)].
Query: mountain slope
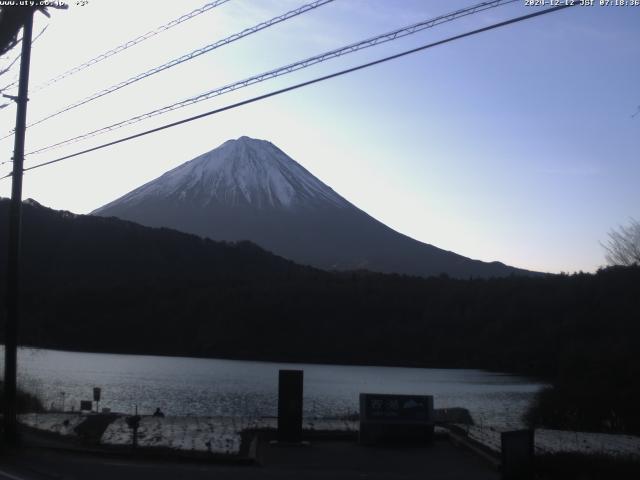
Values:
[(248, 189)]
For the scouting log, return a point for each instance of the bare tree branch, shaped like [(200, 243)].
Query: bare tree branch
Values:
[(12, 18), (12, 63), (623, 246)]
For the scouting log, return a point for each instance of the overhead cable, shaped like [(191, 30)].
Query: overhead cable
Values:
[(131, 43), (186, 57), (354, 47), (300, 85)]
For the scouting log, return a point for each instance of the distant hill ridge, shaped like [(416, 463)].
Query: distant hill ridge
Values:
[(66, 246)]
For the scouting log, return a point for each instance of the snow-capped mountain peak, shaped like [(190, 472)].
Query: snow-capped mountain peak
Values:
[(249, 189), (242, 171)]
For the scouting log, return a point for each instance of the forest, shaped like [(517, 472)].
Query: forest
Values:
[(106, 285)]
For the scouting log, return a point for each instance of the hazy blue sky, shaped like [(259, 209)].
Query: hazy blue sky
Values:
[(514, 145)]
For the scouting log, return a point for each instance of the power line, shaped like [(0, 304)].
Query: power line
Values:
[(131, 43), (354, 47), (185, 58), (303, 84)]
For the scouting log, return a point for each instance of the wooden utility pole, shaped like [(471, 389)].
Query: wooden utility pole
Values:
[(13, 261)]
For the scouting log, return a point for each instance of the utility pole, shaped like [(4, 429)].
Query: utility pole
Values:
[(13, 262)]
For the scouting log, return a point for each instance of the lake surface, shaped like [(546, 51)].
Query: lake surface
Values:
[(208, 387)]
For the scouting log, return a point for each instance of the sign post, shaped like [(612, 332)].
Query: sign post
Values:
[(517, 454), (12, 297), (96, 397), (134, 423)]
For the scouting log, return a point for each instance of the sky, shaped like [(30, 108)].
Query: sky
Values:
[(516, 145)]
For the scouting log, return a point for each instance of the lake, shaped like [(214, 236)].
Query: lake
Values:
[(209, 387)]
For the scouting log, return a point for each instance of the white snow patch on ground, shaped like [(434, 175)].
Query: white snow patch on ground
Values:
[(200, 434), (60, 423), (558, 441), (221, 435), (555, 441)]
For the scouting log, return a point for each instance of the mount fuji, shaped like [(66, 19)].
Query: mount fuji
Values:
[(248, 189)]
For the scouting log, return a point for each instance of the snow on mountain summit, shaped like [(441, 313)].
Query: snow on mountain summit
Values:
[(241, 171)]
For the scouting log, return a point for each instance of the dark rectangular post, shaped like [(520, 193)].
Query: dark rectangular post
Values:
[(517, 454), (13, 262), (96, 397), (290, 406)]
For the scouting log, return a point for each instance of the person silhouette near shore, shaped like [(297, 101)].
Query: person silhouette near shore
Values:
[(158, 413)]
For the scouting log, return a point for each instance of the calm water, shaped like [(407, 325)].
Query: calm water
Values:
[(191, 386)]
